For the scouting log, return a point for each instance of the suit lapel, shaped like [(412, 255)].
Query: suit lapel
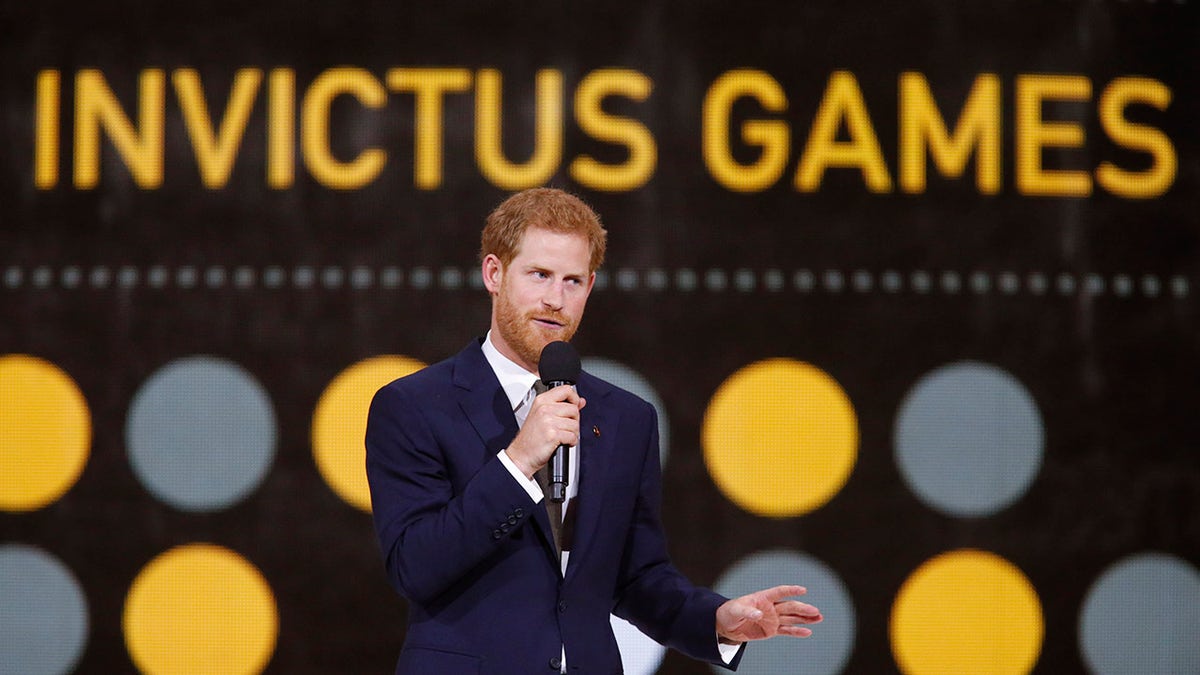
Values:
[(595, 452), (483, 402)]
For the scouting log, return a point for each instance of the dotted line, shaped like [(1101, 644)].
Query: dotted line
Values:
[(657, 280)]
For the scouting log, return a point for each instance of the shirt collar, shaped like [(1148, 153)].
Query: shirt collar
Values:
[(514, 380)]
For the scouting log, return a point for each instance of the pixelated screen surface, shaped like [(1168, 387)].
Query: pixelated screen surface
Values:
[(913, 288)]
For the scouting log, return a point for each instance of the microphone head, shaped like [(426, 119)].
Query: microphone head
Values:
[(559, 363)]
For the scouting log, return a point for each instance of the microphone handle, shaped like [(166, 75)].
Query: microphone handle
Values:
[(560, 462)]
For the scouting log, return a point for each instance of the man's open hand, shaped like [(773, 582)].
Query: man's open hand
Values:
[(765, 614)]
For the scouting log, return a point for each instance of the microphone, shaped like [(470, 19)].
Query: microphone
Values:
[(559, 365)]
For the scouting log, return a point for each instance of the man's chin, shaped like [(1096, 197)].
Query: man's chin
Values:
[(545, 337)]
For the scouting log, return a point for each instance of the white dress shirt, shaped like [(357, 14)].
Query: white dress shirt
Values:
[(517, 383)]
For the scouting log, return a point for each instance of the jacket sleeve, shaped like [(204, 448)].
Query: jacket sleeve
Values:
[(432, 534), (651, 593)]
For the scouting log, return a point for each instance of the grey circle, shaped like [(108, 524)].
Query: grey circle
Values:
[(804, 280), (42, 276), (475, 280), (214, 277), (862, 281), (981, 283), (827, 652), (71, 277), (1151, 286), (773, 280), (43, 613), (743, 280), (100, 277), (420, 278), (1142, 616), (391, 277), (627, 279), (156, 276), (1008, 283), (1122, 285), (969, 439), (243, 277), (715, 280), (333, 277), (127, 276), (630, 380), (361, 277), (273, 277), (921, 282), (1038, 283), (304, 277), (891, 281), (201, 434), (833, 281), (685, 280), (951, 282), (656, 279), (451, 278), (185, 276), (13, 277), (1179, 286), (1094, 284), (1066, 284)]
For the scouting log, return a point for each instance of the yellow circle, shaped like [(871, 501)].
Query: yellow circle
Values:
[(966, 611), (45, 433), (780, 438), (340, 424), (200, 608)]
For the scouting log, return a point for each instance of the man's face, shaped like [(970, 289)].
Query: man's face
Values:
[(540, 295)]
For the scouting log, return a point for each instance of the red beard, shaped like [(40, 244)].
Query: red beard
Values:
[(522, 334)]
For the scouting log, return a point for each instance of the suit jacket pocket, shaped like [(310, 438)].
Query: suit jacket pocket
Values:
[(423, 660)]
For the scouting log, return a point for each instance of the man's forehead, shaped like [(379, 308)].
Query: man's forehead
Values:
[(542, 238)]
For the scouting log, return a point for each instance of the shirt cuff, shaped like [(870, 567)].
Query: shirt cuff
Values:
[(728, 651), (531, 486)]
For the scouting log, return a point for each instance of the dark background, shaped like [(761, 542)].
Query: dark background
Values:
[(1114, 376)]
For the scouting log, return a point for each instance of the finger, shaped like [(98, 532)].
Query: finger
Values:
[(564, 392), (797, 619), (554, 416), (795, 631), (780, 592), (563, 409), (794, 607)]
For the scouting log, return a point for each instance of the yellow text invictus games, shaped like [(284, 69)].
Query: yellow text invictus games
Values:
[(742, 152)]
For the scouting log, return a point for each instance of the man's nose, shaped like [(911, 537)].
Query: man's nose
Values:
[(553, 297)]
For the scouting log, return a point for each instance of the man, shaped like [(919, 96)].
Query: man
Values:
[(453, 454)]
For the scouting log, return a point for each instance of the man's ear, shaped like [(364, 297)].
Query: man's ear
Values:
[(493, 272)]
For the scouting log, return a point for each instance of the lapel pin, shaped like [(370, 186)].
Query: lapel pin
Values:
[(596, 431)]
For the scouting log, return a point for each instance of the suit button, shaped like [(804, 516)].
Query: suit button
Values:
[(556, 663), (562, 605), (519, 512), (512, 520), (496, 534)]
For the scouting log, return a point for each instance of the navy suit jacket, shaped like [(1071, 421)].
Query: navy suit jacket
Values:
[(473, 554)]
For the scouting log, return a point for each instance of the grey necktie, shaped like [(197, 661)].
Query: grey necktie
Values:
[(553, 509)]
